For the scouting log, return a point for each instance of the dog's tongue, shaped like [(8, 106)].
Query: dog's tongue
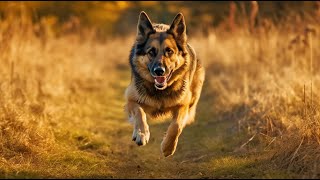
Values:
[(160, 79)]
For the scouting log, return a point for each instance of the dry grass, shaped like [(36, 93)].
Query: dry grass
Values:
[(268, 81), (48, 93), (58, 94)]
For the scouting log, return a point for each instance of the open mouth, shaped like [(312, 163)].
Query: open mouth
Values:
[(160, 82)]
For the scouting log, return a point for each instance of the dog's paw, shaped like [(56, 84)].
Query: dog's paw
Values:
[(168, 148), (141, 138)]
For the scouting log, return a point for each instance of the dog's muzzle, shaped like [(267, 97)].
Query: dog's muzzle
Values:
[(160, 79)]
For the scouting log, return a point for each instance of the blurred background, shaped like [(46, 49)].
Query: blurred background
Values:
[(118, 18)]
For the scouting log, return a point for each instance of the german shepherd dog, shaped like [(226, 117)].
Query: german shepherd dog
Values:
[(166, 80)]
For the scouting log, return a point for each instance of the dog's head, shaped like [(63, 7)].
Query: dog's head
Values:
[(160, 50)]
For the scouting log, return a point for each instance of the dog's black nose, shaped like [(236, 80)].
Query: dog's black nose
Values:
[(159, 71)]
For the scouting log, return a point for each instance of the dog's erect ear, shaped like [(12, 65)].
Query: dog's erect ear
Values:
[(178, 29), (144, 27)]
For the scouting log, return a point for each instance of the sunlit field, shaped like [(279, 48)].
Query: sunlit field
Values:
[(62, 98)]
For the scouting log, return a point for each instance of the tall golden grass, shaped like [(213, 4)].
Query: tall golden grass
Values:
[(45, 92), (266, 79)]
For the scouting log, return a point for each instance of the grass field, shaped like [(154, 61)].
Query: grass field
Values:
[(62, 98)]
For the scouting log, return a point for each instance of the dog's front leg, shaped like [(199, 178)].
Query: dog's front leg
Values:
[(141, 133), (170, 141)]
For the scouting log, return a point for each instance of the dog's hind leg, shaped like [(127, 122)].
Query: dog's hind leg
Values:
[(193, 107), (170, 141), (196, 92), (141, 133)]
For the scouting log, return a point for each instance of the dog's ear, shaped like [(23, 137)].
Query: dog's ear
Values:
[(178, 29), (144, 27)]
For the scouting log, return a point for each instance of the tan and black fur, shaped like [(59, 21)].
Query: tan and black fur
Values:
[(163, 49)]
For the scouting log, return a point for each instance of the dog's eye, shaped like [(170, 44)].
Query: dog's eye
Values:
[(152, 52), (169, 51)]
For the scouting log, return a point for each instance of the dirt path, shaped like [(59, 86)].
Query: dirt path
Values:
[(209, 148)]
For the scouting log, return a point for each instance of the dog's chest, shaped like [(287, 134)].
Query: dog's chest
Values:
[(163, 101)]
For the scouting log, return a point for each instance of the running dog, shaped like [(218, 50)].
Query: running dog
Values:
[(166, 80)]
